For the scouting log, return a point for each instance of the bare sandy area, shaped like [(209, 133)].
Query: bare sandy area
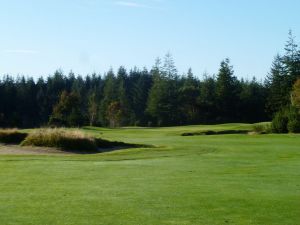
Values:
[(18, 150)]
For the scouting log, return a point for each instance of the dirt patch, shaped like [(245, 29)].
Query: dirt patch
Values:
[(28, 150), (17, 150)]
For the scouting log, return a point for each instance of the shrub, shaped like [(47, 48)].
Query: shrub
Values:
[(61, 138), (258, 128), (11, 136), (280, 122), (262, 128), (295, 95), (293, 121), (287, 120)]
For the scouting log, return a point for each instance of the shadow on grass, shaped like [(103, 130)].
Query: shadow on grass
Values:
[(212, 132), (109, 147), (98, 129), (13, 149), (12, 136)]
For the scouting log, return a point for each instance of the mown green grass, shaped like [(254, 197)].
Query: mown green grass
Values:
[(209, 180)]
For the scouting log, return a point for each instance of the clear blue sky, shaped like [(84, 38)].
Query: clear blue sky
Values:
[(39, 36)]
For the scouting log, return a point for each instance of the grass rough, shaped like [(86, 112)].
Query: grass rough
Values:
[(72, 140), (61, 138)]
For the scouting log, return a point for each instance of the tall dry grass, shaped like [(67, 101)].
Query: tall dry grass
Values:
[(74, 140)]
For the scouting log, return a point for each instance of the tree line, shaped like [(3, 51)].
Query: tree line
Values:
[(156, 97), (284, 89)]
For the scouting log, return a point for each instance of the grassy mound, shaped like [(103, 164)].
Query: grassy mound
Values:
[(11, 136), (69, 140), (61, 138)]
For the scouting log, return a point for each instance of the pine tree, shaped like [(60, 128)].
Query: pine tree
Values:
[(140, 84), (284, 73), (291, 60), (226, 92), (169, 69), (42, 102), (163, 97), (109, 96), (93, 107), (207, 100), (251, 104), (123, 98), (188, 95), (277, 87)]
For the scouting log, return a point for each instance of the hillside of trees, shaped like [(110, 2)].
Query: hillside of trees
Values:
[(157, 97)]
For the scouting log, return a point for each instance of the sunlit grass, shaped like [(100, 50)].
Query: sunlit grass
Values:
[(219, 179)]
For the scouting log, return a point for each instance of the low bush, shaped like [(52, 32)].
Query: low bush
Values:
[(11, 136), (286, 120), (293, 125), (262, 128), (280, 122), (61, 138)]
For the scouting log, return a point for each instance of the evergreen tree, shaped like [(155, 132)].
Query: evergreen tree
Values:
[(284, 73), (277, 88), (188, 95), (154, 94), (140, 84), (163, 96), (93, 108), (207, 100), (67, 111), (291, 61), (226, 92), (10, 115), (252, 102), (169, 69), (109, 96), (123, 97), (42, 102)]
